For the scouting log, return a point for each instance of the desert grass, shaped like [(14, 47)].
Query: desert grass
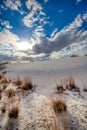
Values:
[(27, 84), (59, 105), (13, 111), (3, 108), (11, 92), (59, 88), (4, 85), (0, 76), (71, 85), (18, 81), (0, 94), (85, 89), (4, 80)]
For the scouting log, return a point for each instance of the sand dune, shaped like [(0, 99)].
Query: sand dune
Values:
[(36, 109)]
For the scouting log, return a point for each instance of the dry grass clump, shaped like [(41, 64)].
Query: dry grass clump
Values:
[(60, 89), (11, 92), (85, 89), (59, 105), (27, 84), (13, 111), (4, 80), (4, 85), (18, 81), (9, 80), (1, 76), (70, 84), (4, 72), (0, 94), (3, 108)]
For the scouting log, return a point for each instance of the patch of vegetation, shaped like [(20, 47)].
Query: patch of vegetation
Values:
[(13, 111)]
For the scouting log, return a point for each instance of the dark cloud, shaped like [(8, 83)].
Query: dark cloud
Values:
[(60, 41), (68, 35)]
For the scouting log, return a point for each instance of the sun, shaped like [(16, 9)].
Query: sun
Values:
[(24, 45)]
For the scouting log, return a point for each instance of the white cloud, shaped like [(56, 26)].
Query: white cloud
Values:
[(33, 4), (76, 23), (6, 24), (60, 11), (68, 35), (54, 32), (45, 1), (9, 45), (7, 37), (35, 14), (14, 5), (78, 1), (85, 16), (76, 49)]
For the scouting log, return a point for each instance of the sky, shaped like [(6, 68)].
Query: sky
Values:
[(42, 29)]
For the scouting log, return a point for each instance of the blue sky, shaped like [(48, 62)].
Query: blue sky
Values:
[(42, 29)]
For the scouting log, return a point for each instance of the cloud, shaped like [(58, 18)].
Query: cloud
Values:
[(14, 5), (35, 14), (76, 49), (85, 16), (78, 1), (54, 32), (68, 35), (9, 48), (82, 51), (45, 1), (7, 37), (6, 24), (60, 11)]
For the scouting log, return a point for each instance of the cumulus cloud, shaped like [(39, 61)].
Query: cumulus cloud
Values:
[(76, 49), (45, 1), (78, 1), (85, 16), (35, 14), (54, 32), (14, 5), (33, 7), (9, 46), (60, 11), (68, 35), (7, 37), (6, 24)]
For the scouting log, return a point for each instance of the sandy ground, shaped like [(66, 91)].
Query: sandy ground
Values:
[(36, 111)]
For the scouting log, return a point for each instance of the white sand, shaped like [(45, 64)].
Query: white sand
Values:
[(36, 112), (46, 73)]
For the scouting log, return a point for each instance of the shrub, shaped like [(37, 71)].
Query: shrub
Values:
[(0, 76), (0, 94), (85, 89), (71, 83), (4, 80), (60, 89), (18, 81), (13, 111), (3, 108), (27, 85), (59, 105), (11, 92), (4, 85)]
